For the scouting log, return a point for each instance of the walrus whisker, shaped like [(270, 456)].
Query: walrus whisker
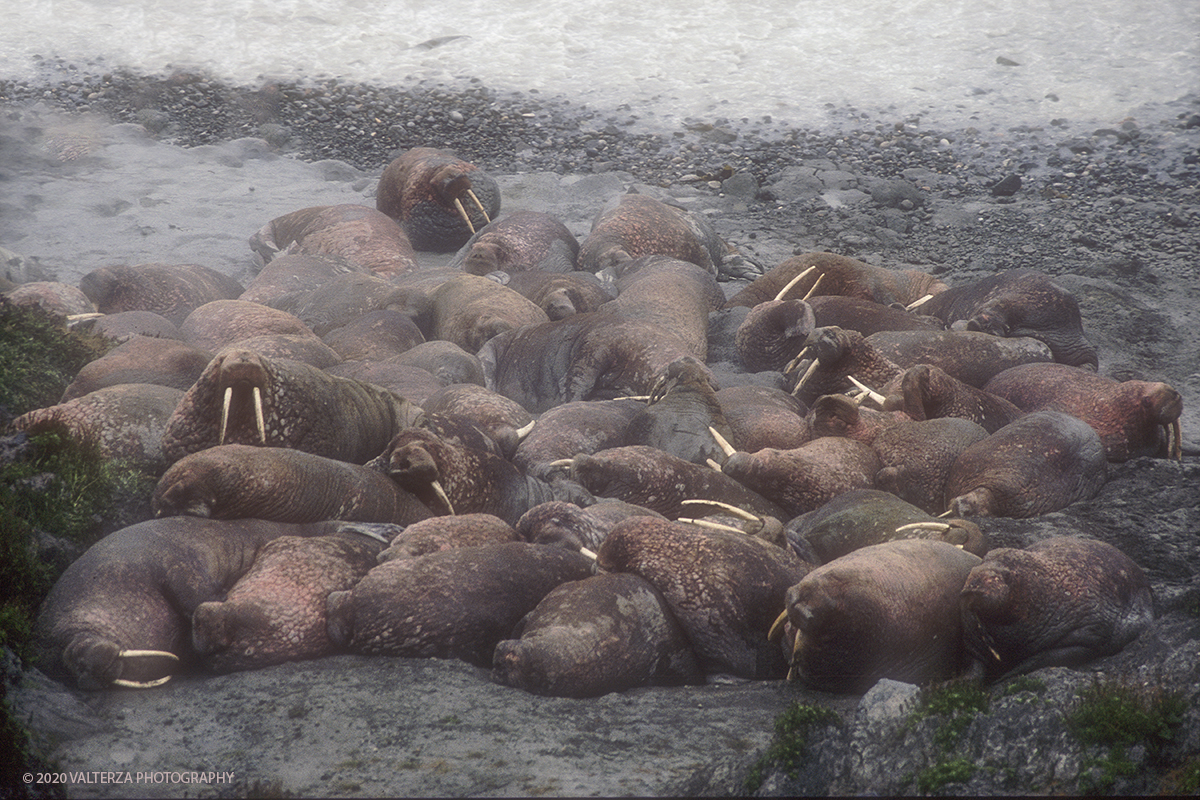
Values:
[(793, 282), (804, 378), (258, 416), (524, 430), (225, 413), (441, 494), (918, 303), (722, 442), (875, 396), (482, 210), (462, 212), (814, 286), (713, 464), (776, 631), (141, 684)]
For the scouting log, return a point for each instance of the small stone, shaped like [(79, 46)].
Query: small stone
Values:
[(1007, 187)]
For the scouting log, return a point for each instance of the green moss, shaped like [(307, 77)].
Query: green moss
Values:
[(1024, 683), (790, 743), (1186, 780), (956, 704), (935, 777)]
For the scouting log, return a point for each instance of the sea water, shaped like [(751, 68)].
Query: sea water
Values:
[(798, 62)]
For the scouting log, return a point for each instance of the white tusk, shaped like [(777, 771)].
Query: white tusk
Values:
[(147, 653), (482, 210), (948, 512), (725, 446), (875, 396), (793, 282), (258, 416), (732, 510), (794, 364), (141, 684), (523, 431), (807, 374), (714, 526), (917, 303), (776, 630), (1175, 433), (589, 553), (462, 212), (560, 462), (713, 464), (441, 493), (814, 286), (931, 525), (225, 413)]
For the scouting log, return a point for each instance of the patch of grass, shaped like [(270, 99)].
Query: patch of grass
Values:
[(956, 703), (935, 777), (1186, 779), (1024, 683), (790, 744)]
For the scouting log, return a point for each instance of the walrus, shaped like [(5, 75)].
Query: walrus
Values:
[(304, 348), (927, 392), (889, 610), (54, 297), (586, 638), (1059, 602), (291, 274), (126, 421), (141, 359), (172, 290), (916, 458), (831, 356), (723, 588), (568, 525), (669, 292), (375, 336), (646, 476), (125, 325), (839, 275), (231, 481), (469, 310), (764, 416), (347, 297), (276, 610), (839, 415), (499, 417), (349, 232), (1019, 302), (1040, 463), (637, 225), (681, 411), (456, 603), (439, 199), (119, 613), (866, 316), (773, 333), (972, 357), (521, 241), (803, 479), (1134, 418), (564, 431), (446, 533), (447, 362), (220, 323), (243, 398), (412, 383), (864, 517), (560, 294)]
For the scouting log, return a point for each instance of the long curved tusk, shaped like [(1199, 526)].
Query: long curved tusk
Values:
[(657, 391), (931, 525), (814, 286), (559, 462), (636, 397), (722, 442), (141, 684), (947, 513), (741, 513), (804, 378), (776, 631), (589, 553), (482, 210), (1175, 433), (147, 653), (225, 403), (258, 416), (441, 493), (794, 364), (524, 430), (918, 303), (712, 526), (713, 464), (875, 396), (794, 281), (462, 212)]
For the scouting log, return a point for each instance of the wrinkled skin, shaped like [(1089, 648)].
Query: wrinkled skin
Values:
[(560, 294), (446, 533), (1059, 602), (867, 316), (646, 476), (840, 353), (297, 403), (419, 190), (136, 588), (1020, 302), (864, 517), (1129, 416), (583, 426), (172, 290), (885, 611), (763, 416), (1042, 462), (456, 603), (641, 226), (724, 588), (221, 323), (606, 633), (838, 415), (772, 334), (277, 483), (926, 392), (842, 276), (805, 478), (276, 612), (683, 406), (972, 357), (469, 310), (521, 241), (916, 458), (570, 526), (496, 415), (355, 234), (446, 361), (673, 294), (291, 274), (347, 297), (141, 359), (375, 336), (412, 383), (126, 421)]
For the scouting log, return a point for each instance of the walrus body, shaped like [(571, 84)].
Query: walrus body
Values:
[(641, 226), (805, 478), (232, 481), (353, 233), (972, 357), (725, 589), (446, 533), (141, 359), (582, 426), (772, 334), (221, 323), (885, 611), (519, 242), (561, 294), (1059, 602), (840, 275), (439, 199), (926, 392), (682, 409), (469, 310), (172, 290), (136, 588), (916, 458), (276, 611), (606, 633), (451, 604)]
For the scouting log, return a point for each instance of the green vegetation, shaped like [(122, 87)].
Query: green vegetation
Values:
[(956, 703), (1117, 715), (39, 357), (1024, 683), (935, 777), (791, 740)]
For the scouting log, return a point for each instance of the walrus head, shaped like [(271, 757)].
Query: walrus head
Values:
[(413, 465), (451, 183)]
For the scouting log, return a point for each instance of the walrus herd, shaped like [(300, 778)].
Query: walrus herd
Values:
[(541, 460)]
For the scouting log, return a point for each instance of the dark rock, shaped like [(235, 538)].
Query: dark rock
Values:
[(1007, 187)]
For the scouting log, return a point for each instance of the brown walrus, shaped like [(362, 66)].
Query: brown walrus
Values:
[(352, 233)]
